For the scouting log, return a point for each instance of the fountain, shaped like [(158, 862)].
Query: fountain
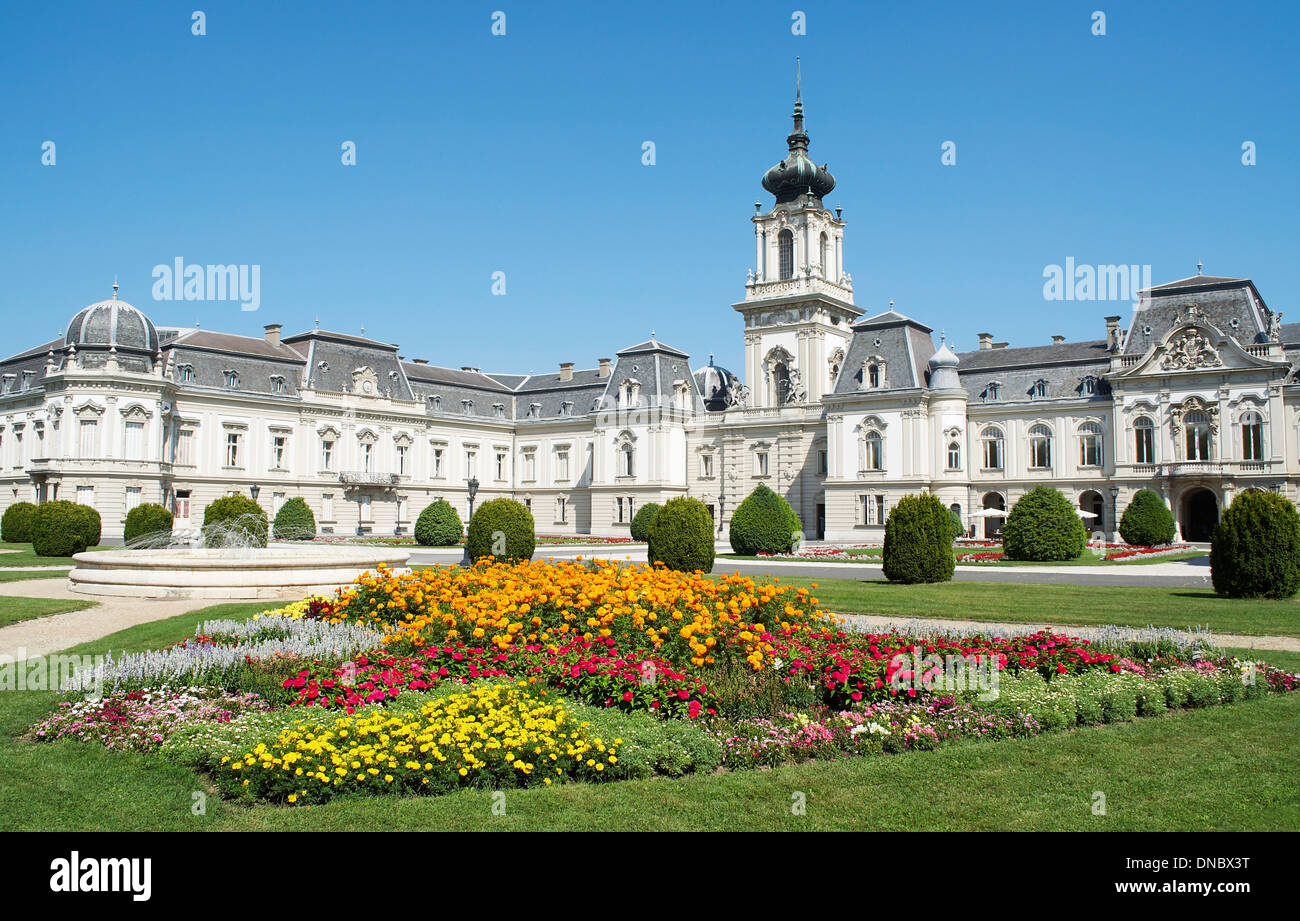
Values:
[(225, 561)]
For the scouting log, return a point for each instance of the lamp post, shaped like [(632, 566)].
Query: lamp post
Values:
[(472, 485), (1114, 503), (254, 490)]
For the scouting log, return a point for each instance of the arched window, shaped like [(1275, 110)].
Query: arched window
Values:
[(1252, 437), (627, 459), (873, 376), (785, 247), (954, 456), (1198, 436), (1090, 445), (822, 252), (874, 453), (991, 445), (1040, 447), (781, 382), (1144, 440)]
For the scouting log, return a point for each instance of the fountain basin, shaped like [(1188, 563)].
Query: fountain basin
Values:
[(278, 572)]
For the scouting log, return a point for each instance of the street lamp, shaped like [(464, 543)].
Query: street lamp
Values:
[(1114, 502), (472, 485), (254, 490)]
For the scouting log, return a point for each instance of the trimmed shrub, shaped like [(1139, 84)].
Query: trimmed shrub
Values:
[(918, 541), (16, 525), (1043, 526), (958, 529), (642, 520), (438, 525), (91, 524), (59, 528), (294, 521), (1255, 548), (763, 523), (1146, 521), (501, 525), (143, 520), (238, 512), (681, 536)]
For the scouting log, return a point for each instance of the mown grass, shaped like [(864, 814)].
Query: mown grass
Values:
[(24, 555), (21, 575), (16, 610), (1068, 605), (1218, 768), (872, 555)]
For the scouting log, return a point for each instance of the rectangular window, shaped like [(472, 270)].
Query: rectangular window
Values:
[(135, 441), (85, 495), (327, 507), (367, 457), (89, 443), (1089, 450), (132, 497), (1252, 442), (760, 463), (706, 465), (880, 509), (562, 467), (279, 445), (561, 510), (501, 465), (864, 510), (530, 465), (992, 453), (234, 457), (277, 500), (364, 502), (185, 448), (401, 460), (471, 463), (821, 463), (327, 454), (1146, 445), (437, 463)]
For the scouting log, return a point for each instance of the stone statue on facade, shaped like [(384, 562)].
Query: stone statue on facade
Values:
[(1191, 351)]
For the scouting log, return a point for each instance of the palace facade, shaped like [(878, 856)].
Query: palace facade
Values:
[(839, 412)]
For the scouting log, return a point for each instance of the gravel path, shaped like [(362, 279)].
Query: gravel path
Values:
[(44, 635)]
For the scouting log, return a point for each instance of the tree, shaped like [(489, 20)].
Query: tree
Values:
[(438, 525), (502, 529), (1147, 522), (681, 536), (294, 521), (1255, 550), (146, 520), (1043, 526), (763, 523), (918, 541)]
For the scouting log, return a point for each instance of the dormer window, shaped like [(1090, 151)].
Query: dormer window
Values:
[(534, 410), (185, 374), (278, 384), (1039, 390), (467, 407), (8, 385), (566, 408), (435, 403), (498, 410), (1089, 386), (993, 391), (873, 376), (231, 379), (27, 379)]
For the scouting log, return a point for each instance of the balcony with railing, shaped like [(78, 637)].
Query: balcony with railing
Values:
[(368, 478)]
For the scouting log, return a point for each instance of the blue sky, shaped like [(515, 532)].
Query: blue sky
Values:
[(522, 154)]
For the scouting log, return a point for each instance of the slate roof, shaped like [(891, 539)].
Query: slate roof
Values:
[(332, 357), (1062, 366), (1231, 304), (905, 345)]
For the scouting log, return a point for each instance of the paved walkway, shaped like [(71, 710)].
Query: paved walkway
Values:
[(44, 635)]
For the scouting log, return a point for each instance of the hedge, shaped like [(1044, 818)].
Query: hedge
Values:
[(438, 525), (681, 536), (60, 528), (1255, 549), (1146, 521), (1043, 526), (16, 524), (642, 520), (144, 521), (294, 521), (236, 512), (502, 529), (918, 541), (764, 523)]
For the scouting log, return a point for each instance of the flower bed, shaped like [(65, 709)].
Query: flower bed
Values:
[(515, 674)]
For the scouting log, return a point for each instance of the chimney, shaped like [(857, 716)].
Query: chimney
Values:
[(604, 368), (273, 334), (566, 370), (1113, 335), (1057, 340), (986, 341)]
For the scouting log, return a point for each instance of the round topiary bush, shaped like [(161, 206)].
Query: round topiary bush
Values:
[(642, 520), (1255, 550), (91, 524), (918, 541), (243, 519), (763, 523), (1043, 526), (144, 521), (16, 525), (1146, 521), (294, 521), (503, 529), (438, 525), (681, 536), (59, 528)]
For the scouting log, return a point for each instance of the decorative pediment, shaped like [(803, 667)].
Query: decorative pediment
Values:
[(1190, 350), (365, 382)]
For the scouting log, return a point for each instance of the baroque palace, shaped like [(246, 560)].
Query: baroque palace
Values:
[(839, 412)]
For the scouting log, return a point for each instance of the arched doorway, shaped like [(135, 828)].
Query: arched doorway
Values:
[(993, 524), (1200, 514), (1091, 501)]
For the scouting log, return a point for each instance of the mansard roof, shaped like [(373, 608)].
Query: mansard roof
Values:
[(1233, 305), (904, 344)]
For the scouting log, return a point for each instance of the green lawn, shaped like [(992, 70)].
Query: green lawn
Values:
[(1219, 768), (23, 555), (14, 610), (1075, 605), (22, 575), (1087, 558)]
